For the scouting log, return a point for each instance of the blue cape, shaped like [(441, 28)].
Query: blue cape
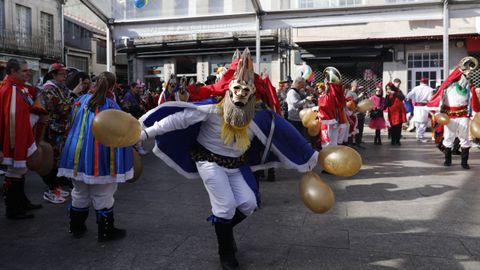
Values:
[(285, 147), (112, 165)]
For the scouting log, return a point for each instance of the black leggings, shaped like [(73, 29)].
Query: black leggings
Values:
[(396, 133), (377, 136)]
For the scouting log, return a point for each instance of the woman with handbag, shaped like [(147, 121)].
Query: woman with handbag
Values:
[(377, 121)]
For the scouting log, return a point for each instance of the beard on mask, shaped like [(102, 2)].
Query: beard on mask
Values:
[(237, 116)]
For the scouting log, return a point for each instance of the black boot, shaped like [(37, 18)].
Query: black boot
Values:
[(237, 218), (78, 216), (226, 250), (465, 153), (27, 203), (448, 156), (15, 207), (106, 226), (456, 147)]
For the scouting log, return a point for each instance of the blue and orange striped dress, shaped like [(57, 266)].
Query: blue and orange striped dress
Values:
[(84, 158)]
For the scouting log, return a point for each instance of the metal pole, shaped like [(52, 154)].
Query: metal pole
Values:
[(446, 68), (258, 49), (62, 33), (109, 49)]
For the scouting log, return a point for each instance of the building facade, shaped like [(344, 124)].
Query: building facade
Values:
[(368, 40), (85, 39), (382, 51), (30, 30), (196, 55), (85, 45)]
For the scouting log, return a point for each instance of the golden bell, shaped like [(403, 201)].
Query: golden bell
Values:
[(340, 160), (316, 194), (314, 128), (442, 118), (308, 117), (365, 105), (34, 161), (475, 129), (47, 159), (137, 167), (302, 113), (116, 128), (351, 105), (476, 119)]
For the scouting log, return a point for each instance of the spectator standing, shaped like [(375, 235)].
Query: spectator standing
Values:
[(396, 112), (295, 104), (377, 122), (356, 96)]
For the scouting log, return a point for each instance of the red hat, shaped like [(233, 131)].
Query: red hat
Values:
[(56, 67), (424, 80)]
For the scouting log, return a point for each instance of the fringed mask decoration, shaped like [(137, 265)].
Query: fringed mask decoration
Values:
[(239, 104)]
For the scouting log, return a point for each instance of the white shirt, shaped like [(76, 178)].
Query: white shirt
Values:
[(420, 93), (209, 135)]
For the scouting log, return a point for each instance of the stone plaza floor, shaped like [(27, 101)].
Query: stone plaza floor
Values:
[(403, 210)]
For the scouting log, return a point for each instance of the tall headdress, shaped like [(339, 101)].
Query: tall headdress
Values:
[(332, 75), (244, 75)]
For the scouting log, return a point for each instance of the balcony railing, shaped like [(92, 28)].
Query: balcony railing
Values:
[(30, 45)]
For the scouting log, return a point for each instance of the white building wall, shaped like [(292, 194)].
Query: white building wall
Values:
[(397, 29)]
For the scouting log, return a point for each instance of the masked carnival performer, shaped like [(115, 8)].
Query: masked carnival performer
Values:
[(175, 90), (457, 98), (331, 109), (222, 143), (17, 141), (95, 169)]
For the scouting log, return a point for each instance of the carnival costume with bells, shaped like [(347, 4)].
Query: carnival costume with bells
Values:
[(18, 115), (220, 143), (457, 99), (331, 109)]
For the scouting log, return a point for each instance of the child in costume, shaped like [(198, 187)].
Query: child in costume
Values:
[(95, 169)]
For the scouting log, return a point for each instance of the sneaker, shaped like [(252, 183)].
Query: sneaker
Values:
[(53, 196), (63, 193)]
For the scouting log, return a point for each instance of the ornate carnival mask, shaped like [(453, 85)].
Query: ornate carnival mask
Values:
[(332, 75), (468, 65), (242, 86)]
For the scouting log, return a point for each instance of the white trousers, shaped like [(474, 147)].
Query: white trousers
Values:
[(101, 195), (420, 128), (457, 127), (227, 190), (336, 134)]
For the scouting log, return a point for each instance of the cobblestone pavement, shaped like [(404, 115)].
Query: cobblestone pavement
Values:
[(404, 210)]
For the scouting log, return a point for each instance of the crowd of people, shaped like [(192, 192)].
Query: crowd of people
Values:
[(214, 136)]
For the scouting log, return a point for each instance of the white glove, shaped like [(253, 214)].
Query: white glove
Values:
[(143, 135)]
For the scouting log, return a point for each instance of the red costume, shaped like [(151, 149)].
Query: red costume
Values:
[(331, 106), (264, 88), (16, 137)]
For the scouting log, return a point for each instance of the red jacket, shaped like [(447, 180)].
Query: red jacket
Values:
[(331, 106), (396, 111), (16, 137)]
